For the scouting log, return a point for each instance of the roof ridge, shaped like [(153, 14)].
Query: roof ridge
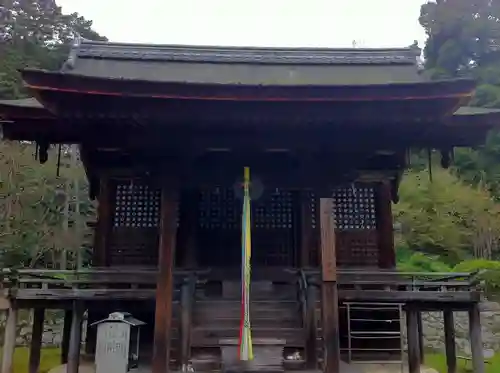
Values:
[(236, 47), (84, 48)]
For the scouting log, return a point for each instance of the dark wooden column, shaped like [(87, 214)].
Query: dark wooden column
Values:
[(305, 229), (103, 229), (188, 227), (476, 340), (68, 317), (329, 291), (165, 282), (449, 341), (421, 344), (387, 253), (413, 343), (75, 339), (93, 315), (36, 339), (9, 343)]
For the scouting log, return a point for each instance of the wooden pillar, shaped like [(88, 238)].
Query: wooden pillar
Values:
[(93, 315), (36, 339), (165, 281), (476, 340), (75, 338), (305, 229), (68, 316), (9, 343), (329, 291), (449, 341), (185, 330), (413, 343), (188, 227), (103, 229), (385, 230), (421, 344)]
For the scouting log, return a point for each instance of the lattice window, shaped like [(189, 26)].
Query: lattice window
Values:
[(354, 207), (135, 235), (136, 206), (221, 209), (274, 212), (218, 209)]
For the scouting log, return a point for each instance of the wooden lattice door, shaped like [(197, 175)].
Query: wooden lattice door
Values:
[(273, 228), (275, 233)]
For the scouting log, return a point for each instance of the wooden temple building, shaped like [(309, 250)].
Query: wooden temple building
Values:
[(164, 134)]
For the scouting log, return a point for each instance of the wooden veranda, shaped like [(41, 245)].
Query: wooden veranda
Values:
[(76, 291)]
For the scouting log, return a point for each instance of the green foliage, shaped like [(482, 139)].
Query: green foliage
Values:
[(462, 34), (463, 40), (446, 217), (35, 34), (489, 272), (32, 220), (481, 166), (49, 359), (33, 199), (408, 261)]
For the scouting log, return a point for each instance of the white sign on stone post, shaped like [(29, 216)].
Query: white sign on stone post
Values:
[(117, 346)]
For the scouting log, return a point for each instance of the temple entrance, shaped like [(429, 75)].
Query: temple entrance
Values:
[(275, 229)]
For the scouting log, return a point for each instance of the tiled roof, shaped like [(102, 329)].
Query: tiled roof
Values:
[(243, 65), (300, 56)]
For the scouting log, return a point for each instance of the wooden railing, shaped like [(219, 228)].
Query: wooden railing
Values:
[(393, 280), (88, 284), (393, 286), (307, 298), (119, 283)]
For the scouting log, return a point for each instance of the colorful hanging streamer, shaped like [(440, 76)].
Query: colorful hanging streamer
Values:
[(245, 342)]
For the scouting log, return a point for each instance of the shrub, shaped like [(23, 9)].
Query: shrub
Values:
[(489, 272)]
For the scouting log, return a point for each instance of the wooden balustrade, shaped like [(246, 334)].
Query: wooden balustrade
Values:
[(90, 284), (139, 284)]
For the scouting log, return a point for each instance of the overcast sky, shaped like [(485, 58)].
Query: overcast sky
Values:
[(285, 23)]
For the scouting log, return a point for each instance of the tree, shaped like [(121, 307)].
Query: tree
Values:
[(35, 33), (446, 217), (33, 198), (464, 40), (462, 34)]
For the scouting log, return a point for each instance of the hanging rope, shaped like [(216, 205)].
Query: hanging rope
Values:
[(245, 342), (429, 161), (58, 172)]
